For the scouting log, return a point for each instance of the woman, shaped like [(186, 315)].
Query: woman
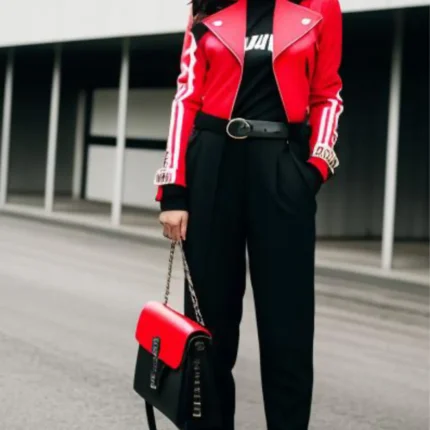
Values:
[(251, 141)]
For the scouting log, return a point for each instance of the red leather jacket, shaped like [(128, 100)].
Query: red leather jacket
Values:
[(307, 45)]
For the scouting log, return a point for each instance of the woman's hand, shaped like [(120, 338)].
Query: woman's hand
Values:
[(174, 224)]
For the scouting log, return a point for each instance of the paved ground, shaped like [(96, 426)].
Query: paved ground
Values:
[(410, 262), (68, 305)]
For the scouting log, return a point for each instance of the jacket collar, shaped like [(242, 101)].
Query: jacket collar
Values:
[(229, 25), (291, 22)]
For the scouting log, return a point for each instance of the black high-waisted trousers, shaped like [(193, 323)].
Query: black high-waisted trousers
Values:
[(253, 194)]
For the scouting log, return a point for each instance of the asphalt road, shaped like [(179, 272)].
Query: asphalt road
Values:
[(69, 301)]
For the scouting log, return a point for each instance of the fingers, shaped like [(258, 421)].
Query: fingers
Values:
[(175, 232), (172, 230), (183, 226), (166, 231), (174, 225)]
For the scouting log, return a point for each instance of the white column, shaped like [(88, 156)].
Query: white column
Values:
[(53, 131), (392, 145), (121, 134), (78, 158), (6, 123)]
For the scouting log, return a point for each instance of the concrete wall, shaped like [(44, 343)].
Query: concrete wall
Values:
[(413, 184), (353, 203), (368, 5), (350, 205), (42, 21), (29, 129)]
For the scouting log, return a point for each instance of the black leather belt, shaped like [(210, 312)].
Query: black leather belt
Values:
[(239, 128)]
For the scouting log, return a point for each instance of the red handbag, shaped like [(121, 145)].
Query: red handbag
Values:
[(174, 365)]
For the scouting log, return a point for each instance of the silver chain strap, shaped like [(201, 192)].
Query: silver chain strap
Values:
[(194, 300)]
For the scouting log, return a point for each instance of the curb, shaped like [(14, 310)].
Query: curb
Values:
[(348, 272), (374, 276)]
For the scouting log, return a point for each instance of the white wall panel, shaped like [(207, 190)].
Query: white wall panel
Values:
[(148, 118), (42, 21), (148, 113), (140, 165)]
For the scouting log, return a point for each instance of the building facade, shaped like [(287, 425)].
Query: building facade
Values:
[(86, 106)]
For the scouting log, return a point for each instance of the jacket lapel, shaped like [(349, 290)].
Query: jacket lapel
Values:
[(229, 26), (291, 22)]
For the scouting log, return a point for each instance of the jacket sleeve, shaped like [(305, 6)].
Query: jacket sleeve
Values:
[(326, 105), (186, 103)]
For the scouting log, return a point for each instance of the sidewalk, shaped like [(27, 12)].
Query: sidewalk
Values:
[(344, 259), (362, 259)]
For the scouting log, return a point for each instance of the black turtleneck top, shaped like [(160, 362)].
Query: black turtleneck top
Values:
[(258, 96)]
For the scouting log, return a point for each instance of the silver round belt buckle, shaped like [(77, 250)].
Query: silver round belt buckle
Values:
[(238, 128)]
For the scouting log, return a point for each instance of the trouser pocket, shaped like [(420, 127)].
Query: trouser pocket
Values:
[(295, 185)]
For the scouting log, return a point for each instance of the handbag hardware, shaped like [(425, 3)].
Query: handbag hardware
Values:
[(174, 369), (194, 300), (155, 351), (197, 406)]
